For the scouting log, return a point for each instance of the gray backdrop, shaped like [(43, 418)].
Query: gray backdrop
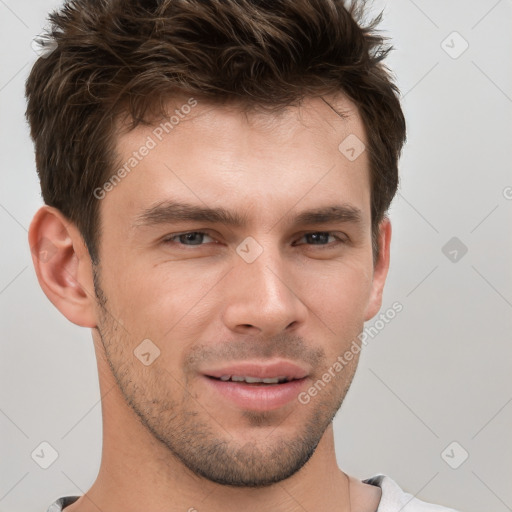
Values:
[(431, 404)]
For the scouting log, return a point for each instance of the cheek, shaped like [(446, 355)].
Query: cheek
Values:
[(162, 300), (338, 292), (339, 301)]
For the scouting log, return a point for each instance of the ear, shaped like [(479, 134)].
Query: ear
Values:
[(380, 270), (63, 265)]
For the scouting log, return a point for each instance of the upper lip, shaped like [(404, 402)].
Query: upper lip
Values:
[(266, 370)]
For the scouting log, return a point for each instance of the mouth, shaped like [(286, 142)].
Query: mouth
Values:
[(256, 386)]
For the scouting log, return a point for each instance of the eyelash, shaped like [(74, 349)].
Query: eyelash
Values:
[(170, 239)]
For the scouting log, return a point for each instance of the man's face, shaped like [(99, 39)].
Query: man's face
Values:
[(276, 294)]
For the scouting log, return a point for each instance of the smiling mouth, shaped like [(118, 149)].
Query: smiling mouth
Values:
[(257, 387)]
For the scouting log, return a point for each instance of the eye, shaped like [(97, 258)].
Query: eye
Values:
[(321, 238), (198, 238), (189, 238)]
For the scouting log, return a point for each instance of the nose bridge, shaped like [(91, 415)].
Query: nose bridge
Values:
[(261, 292)]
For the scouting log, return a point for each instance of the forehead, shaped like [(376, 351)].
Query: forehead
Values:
[(256, 160)]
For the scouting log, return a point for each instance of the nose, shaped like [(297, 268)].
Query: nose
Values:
[(263, 297)]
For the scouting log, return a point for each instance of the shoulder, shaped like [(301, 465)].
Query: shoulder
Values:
[(394, 499)]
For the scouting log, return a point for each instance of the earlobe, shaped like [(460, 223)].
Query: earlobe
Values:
[(380, 270), (63, 266)]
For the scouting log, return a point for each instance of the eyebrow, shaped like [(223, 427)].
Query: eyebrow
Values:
[(168, 212)]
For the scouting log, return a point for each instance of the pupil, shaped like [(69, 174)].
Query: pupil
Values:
[(319, 237), (192, 237)]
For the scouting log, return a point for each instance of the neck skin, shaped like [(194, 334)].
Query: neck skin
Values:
[(138, 473)]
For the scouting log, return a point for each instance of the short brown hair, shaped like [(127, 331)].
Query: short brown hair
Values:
[(116, 57)]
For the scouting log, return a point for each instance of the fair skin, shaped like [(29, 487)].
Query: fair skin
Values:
[(171, 439)]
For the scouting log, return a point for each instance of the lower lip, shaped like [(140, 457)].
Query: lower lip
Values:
[(263, 397)]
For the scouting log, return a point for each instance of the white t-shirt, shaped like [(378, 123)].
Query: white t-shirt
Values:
[(393, 499)]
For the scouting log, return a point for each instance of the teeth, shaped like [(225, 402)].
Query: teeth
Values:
[(254, 380)]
